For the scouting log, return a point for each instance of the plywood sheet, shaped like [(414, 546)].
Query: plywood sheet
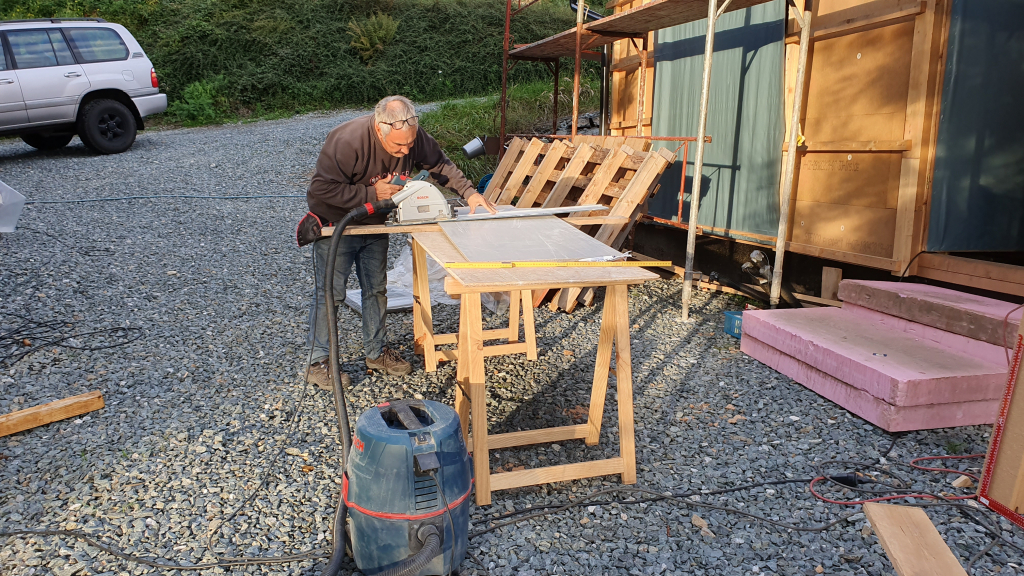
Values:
[(857, 229), (870, 179), (524, 239), (862, 74)]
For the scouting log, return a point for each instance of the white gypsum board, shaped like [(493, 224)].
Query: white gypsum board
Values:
[(504, 212), (540, 239)]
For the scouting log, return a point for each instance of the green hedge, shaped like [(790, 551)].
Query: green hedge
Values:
[(257, 56)]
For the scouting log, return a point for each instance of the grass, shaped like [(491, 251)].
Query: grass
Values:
[(455, 123)]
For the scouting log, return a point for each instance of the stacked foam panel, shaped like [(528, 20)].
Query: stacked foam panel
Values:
[(902, 356)]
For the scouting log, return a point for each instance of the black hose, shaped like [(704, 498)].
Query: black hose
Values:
[(418, 561), (340, 407)]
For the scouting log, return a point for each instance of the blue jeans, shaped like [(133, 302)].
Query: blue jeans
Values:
[(370, 255)]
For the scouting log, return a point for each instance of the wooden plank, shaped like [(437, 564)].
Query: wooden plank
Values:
[(604, 176), (972, 281), (506, 480), (853, 146), (918, 111), (50, 412), (422, 315), (529, 329), (972, 267), (508, 162), (512, 188), (542, 175), (619, 296), (568, 177), (471, 354), (857, 18), (512, 439), (911, 541), (830, 279), (630, 63), (493, 334), (841, 256)]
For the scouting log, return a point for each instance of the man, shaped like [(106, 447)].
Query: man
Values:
[(356, 166)]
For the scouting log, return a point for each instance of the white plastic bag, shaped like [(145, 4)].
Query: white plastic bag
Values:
[(400, 284)]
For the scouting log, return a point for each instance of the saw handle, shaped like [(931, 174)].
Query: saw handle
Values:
[(402, 180)]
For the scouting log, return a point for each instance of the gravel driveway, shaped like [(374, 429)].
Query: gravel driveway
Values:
[(207, 399)]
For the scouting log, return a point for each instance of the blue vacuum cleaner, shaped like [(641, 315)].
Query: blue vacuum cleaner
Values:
[(406, 475)]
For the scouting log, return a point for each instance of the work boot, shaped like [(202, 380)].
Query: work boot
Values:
[(390, 362), (320, 374)]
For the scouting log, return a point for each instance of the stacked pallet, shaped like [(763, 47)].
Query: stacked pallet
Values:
[(901, 356), (606, 171)]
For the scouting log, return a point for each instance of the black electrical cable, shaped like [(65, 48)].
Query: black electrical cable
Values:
[(20, 340), (661, 496), (158, 196), (649, 500), (907, 269)]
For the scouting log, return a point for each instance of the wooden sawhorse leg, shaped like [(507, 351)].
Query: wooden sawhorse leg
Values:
[(422, 316), (615, 331), (470, 376)]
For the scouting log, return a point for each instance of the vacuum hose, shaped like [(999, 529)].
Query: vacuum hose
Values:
[(418, 561), (340, 408)]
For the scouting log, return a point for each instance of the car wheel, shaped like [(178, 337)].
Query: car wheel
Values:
[(47, 141), (107, 126)]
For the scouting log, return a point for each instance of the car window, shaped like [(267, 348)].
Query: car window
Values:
[(96, 44), (38, 48), (3, 58), (60, 48)]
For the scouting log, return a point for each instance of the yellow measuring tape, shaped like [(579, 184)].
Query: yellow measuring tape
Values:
[(571, 264)]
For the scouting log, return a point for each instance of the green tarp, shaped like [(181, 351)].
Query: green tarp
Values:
[(978, 189), (742, 165)]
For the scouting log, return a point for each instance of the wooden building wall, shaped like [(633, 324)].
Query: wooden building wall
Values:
[(625, 79), (874, 74)]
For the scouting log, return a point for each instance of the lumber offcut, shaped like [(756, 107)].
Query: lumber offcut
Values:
[(46, 413), (911, 541)]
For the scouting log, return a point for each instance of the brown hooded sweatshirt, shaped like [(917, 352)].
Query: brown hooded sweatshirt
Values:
[(352, 160)]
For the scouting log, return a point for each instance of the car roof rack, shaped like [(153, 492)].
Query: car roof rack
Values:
[(52, 20)]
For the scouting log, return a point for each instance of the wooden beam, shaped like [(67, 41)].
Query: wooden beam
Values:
[(506, 480), (853, 146), (628, 124), (631, 63), (512, 439), (830, 279), (51, 412), (972, 267), (972, 281), (856, 18), (841, 256), (918, 109), (911, 541)]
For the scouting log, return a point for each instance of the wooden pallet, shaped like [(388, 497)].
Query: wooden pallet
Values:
[(591, 170)]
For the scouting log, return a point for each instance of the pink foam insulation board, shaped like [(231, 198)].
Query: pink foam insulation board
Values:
[(973, 316), (882, 414), (970, 346), (892, 366)]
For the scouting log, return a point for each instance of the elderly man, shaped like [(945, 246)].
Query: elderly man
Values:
[(356, 166)]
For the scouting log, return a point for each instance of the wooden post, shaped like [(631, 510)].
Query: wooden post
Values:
[(698, 163), (830, 278), (504, 79), (554, 102), (790, 171), (580, 10), (641, 89)]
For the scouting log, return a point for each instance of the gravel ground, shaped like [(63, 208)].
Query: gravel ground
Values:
[(201, 405)]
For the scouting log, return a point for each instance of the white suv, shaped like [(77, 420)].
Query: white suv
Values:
[(65, 76)]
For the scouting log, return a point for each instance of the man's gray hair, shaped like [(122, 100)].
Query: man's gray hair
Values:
[(388, 111)]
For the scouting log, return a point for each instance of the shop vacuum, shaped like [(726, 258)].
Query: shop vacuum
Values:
[(406, 479)]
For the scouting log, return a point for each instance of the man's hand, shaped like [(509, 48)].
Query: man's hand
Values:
[(477, 199), (385, 190)]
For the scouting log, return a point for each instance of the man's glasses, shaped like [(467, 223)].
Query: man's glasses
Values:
[(398, 125)]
